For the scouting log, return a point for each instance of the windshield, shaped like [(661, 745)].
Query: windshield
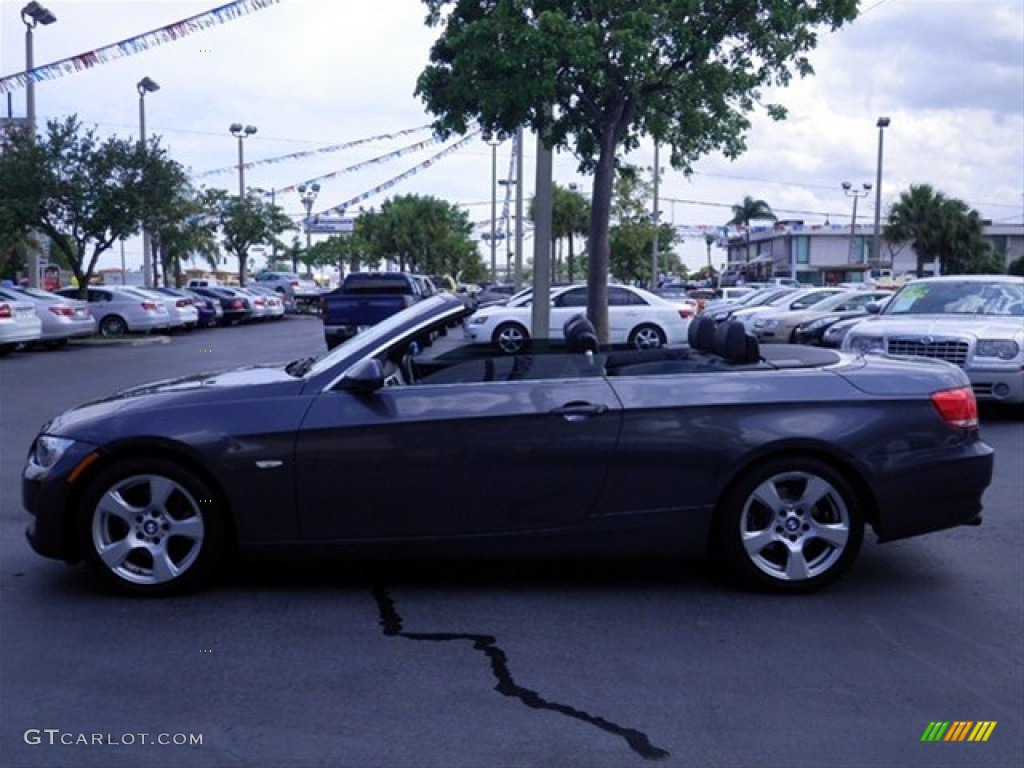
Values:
[(968, 297), (378, 334)]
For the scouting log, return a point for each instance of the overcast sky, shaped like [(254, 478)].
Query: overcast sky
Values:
[(313, 73)]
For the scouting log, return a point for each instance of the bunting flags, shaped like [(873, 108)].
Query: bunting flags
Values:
[(133, 45), (402, 176), (332, 148)]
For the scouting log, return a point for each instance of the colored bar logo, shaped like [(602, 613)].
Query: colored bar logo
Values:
[(959, 730)]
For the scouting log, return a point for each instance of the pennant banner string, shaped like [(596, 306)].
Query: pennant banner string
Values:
[(133, 45), (321, 150), (400, 177)]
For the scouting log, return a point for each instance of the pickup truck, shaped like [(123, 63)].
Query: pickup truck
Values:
[(366, 298)]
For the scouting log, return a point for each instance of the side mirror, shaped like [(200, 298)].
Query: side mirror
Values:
[(872, 307), (364, 377)]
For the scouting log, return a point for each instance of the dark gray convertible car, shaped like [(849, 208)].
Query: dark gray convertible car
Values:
[(401, 442)]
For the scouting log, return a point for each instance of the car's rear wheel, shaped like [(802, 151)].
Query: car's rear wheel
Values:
[(113, 326), (647, 337), (790, 525), (148, 527), (511, 338)]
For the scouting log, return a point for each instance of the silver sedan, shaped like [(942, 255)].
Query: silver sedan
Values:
[(62, 318)]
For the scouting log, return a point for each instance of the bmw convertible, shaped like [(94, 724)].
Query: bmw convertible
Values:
[(405, 441)]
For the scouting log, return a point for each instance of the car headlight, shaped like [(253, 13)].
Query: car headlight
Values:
[(865, 344), (1004, 349), (767, 325), (477, 320), (47, 450)]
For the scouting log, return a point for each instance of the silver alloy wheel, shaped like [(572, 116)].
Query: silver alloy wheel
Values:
[(647, 337), (147, 529), (510, 338), (795, 526)]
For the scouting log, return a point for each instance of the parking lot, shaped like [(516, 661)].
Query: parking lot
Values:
[(601, 663)]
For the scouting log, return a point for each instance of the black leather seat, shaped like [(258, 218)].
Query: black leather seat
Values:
[(701, 333), (733, 344), (580, 335)]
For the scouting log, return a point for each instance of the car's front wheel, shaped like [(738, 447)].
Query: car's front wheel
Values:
[(511, 338), (790, 525), (149, 527)]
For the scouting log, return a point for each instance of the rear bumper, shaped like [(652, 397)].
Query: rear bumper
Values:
[(935, 491)]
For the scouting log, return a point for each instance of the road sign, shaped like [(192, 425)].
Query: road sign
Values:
[(324, 225)]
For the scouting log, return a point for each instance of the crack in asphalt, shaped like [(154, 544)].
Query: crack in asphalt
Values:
[(391, 622)]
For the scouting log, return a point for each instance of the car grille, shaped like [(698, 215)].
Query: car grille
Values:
[(950, 350)]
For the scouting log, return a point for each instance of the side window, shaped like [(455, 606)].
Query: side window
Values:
[(577, 297)]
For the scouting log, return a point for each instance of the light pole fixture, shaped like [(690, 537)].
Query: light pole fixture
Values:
[(876, 242), (510, 185), (241, 134), (144, 86), (493, 142), (33, 14), (308, 193), (709, 240), (856, 194)]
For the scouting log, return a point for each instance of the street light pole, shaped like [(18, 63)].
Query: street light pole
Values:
[(144, 86), (709, 240), (856, 194), (876, 245), (241, 134), (308, 195), (33, 14), (494, 204), (654, 220)]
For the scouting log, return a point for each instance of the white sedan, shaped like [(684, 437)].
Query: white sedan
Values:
[(635, 317)]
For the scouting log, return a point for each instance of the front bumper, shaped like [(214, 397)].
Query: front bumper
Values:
[(997, 386), (48, 496)]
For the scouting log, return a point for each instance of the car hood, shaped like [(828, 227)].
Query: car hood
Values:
[(978, 326), (152, 401)]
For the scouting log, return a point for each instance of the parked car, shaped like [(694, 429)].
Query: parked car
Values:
[(680, 296), (635, 317), (235, 309), (975, 322), (495, 294), (183, 313), (797, 300), (297, 289), (273, 302), (828, 329), (208, 311), (780, 458), (62, 318), (779, 326), (18, 324), (721, 309), (119, 310)]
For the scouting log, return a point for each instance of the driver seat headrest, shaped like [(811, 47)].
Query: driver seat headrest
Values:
[(580, 334)]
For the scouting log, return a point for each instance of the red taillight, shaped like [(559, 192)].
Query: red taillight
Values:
[(6, 312), (237, 304), (182, 303), (149, 306), (61, 311), (295, 283), (686, 314), (259, 302), (957, 407)]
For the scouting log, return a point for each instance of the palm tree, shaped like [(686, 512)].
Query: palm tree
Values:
[(750, 210)]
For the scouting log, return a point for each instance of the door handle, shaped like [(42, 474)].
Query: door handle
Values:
[(576, 412)]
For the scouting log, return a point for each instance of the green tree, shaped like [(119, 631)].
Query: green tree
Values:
[(747, 211), (570, 214), (632, 231), (82, 192), (1016, 267), (595, 76), (422, 233), (187, 230), (942, 229), (245, 222)]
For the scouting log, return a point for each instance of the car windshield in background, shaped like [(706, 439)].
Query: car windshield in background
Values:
[(969, 297)]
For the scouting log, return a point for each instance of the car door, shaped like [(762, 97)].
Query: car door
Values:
[(464, 458), (565, 305)]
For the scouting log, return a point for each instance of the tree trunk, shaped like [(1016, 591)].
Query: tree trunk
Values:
[(597, 266)]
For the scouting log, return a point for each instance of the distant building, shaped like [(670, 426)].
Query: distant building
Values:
[(825, 254)]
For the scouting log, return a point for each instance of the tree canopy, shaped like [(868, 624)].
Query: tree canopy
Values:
[(595, 76), (82, 192)]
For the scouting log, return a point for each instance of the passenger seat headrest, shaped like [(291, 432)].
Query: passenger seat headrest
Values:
[(734, 344), (580, 334), (701, 333)]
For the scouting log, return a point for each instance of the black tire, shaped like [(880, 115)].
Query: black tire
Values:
[(147, 527), (790, 525), (647, 336), (113, 326), (511, 338)]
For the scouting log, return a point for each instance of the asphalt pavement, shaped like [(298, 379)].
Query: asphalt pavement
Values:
[(594, 664)]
